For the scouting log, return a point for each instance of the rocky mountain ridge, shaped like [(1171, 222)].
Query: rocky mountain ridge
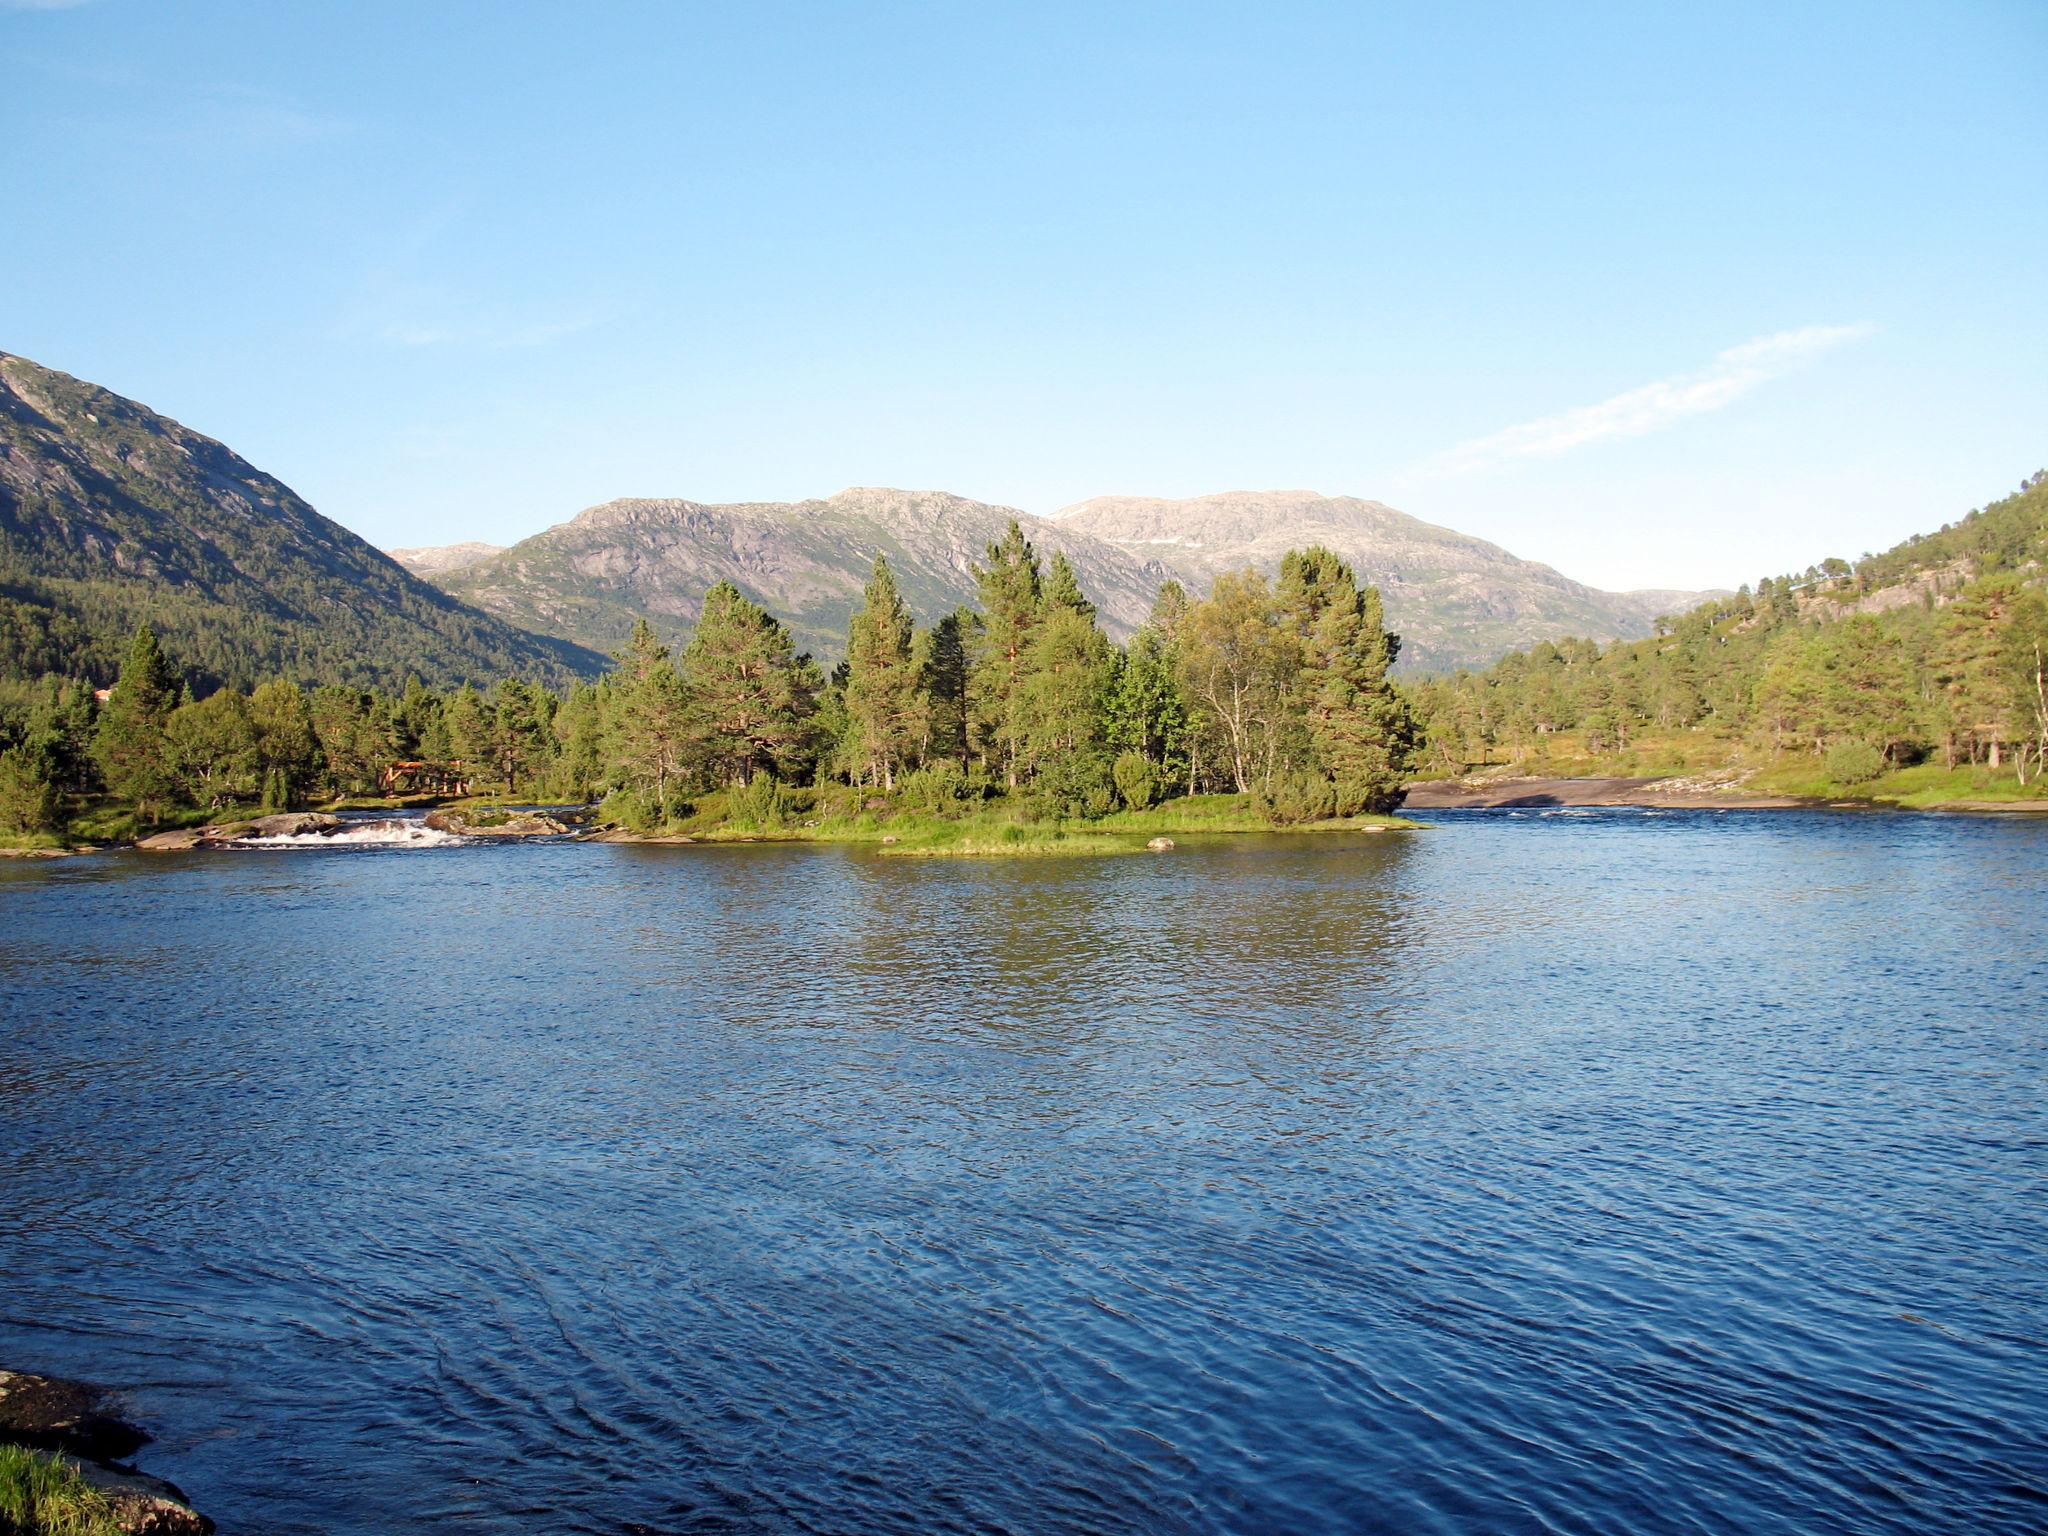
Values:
[(1457, 600)]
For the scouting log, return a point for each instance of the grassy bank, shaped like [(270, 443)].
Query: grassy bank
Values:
[(1690, 754), (977, 829), (41, 1496)]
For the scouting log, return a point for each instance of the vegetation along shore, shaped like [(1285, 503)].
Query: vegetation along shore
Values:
[(1917, 678)]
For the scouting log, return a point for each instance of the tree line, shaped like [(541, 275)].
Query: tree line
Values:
[(1272, 689), (1937, 649)]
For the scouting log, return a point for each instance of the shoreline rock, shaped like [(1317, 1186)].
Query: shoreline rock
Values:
[(518, 824), (283, 824), (67, 1419), (1532, 793)]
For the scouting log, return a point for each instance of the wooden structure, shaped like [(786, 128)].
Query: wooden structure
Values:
[(423, 778)]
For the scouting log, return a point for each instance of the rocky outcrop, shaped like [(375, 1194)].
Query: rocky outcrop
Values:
[(285, 824), (1705, 793), (497, 824), (69, 1419)]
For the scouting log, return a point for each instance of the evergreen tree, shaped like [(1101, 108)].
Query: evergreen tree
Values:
[(133, 755), (884, 700), (1009, 585), (943, 674), (1358, 723), (752, 697)]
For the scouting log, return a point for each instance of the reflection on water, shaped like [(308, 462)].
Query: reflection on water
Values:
[(1595, 1173)]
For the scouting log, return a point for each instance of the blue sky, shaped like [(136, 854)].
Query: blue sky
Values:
[(1665, 296)]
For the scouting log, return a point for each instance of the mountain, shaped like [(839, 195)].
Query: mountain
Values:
[(442, 558), (1455, 600), (588, 579), (111, 514)]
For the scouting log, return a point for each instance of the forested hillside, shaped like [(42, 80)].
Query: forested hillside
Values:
[(112, 515), (1929, 656)]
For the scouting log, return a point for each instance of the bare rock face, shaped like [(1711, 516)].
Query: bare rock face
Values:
[(66, 1418), (1455, 600), (433, 560)]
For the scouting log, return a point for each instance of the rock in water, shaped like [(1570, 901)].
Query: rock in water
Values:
[(49, 1413), (1160, 844)]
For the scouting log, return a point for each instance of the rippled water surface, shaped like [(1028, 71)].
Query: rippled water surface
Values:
[(1590, 1173)]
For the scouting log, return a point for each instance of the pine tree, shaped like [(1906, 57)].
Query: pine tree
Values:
[(1010, 588), (133, 755), (752, 697), (885, 704), (943, 674), (1358, 723)]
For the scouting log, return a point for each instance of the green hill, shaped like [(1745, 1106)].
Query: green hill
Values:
[(1889, 676), (111, 514)]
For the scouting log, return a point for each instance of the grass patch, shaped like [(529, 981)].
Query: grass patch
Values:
[(1920, 786), (980, 828), (42, 1496)]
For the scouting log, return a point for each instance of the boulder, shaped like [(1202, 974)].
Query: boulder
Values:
[(488, 824), (171, 842), (284, 824), (1160, 844)]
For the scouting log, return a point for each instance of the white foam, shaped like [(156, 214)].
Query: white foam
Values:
[(368, 834)]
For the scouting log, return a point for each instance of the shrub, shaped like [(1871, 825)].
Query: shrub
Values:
[(1137, 780), (1300, 796), (936, 788), (28, 798), (1852, 762), (760, 802)]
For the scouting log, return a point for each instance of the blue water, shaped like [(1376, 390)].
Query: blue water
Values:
[(1589, 1172)]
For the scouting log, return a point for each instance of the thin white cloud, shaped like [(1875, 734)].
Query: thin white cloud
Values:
[(1638, 412)]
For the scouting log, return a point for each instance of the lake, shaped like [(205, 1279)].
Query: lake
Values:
[(1595, 1172)]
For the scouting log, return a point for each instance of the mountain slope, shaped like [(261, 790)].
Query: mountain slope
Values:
[(1457, 601), (589, 578), (111, 514), (1454, 599)]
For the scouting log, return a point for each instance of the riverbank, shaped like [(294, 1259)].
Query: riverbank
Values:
[(69, 1473), (1700, 792)]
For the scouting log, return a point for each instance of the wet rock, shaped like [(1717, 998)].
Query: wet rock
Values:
[(143, 1505), (1160, 844), (488, 824), (52, 1414), (171, 842), (891, 838), (48, 1413), (283, 824)]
